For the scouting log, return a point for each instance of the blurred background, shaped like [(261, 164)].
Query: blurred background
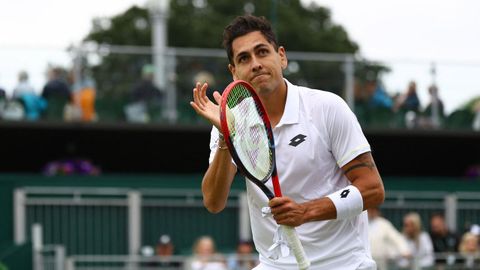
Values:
[(102, 156)]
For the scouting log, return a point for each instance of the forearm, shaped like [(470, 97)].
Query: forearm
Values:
[(369, 194), (319, 209), (217, 181)]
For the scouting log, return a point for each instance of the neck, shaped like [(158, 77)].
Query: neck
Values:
[(274, 103)]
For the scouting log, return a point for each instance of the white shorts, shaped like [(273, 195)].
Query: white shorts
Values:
[(367, 264)]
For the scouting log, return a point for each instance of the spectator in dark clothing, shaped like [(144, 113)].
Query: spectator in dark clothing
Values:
[(442, 238), (409, 101), (146, 98), (146, 90), (57, 93)]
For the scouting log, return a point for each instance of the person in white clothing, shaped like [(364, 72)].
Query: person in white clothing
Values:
[(419, 243), (326, 171), (386, 243)]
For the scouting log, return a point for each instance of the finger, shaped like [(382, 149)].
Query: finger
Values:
[(203, 93), (217, 97), (196, 99)]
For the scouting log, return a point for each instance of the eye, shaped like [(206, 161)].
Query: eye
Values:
[(243, 59), (263, 52)]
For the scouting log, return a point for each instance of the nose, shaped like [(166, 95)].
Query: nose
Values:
[(256, 65)]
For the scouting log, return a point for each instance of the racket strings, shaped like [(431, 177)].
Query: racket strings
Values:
[(248, 132)]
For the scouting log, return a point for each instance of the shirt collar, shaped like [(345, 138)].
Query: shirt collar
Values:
[(292, 106)]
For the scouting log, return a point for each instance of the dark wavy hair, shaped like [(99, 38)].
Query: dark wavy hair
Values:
[(243, 25)]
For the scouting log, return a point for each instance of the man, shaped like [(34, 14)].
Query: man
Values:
[(326, 171), (387, 244), (444, 241)]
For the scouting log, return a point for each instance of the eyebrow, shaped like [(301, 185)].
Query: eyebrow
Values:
[(258, 46)]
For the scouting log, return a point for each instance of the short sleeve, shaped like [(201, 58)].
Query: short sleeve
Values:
[(347, 140)]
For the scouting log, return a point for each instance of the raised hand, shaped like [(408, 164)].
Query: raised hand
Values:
[(204, 107)]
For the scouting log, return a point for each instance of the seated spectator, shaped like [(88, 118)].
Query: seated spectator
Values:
[(205, 256), (419, 243), (443, 239), (57, 93), (470, 250), (386, 243), (244, 258), (434, 114), (23, 86), (409, 101), (145, 98), (33, 105)]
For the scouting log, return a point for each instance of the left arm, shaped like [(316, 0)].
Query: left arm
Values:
[(362, 173)]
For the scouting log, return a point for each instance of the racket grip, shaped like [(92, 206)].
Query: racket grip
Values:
[(296, 247)]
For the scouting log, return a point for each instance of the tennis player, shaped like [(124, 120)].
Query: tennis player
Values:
[(326, 171)]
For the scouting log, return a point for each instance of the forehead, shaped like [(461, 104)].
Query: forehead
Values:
[(248, 42)]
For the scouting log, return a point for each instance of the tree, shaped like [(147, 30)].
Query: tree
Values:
[(200, 23)]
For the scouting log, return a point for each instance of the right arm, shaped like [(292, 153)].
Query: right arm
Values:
[(218, 179)]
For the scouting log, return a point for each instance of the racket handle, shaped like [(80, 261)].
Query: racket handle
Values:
[(296, 247)]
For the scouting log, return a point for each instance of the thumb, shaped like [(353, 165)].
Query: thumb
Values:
[(217, 97)]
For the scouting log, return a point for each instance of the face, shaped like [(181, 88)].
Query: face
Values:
[(205, 247), (256, 61), (409, 227), (437, 225)]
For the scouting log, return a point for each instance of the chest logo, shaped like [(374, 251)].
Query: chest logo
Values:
[(297, 140)]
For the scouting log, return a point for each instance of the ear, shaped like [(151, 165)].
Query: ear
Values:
[(232, 71), (283, 57)]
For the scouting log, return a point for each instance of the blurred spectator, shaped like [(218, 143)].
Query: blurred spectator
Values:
[(244, 258), (409, 100), (164, 250), (386, 243), (145, 98), (445, 242), (476, 119), (470, 250), (57, 93), (434, 112), (33, 105), (419, 243), (443, 239), (380, 97), (84, 92), (205, 256), (23, 86)]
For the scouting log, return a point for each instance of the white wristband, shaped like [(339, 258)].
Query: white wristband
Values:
[(348, 202)]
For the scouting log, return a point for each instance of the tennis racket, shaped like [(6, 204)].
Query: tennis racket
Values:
[(249, 138)]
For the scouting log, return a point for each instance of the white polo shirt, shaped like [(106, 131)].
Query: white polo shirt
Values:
[(316, 136)]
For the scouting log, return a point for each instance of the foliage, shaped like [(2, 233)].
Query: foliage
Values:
[(200, 23)]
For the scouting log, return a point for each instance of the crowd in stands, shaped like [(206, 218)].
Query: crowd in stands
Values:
[(418, 248), (413, 247), (375, 107), (71, 96), (204, 256), (63, 97)]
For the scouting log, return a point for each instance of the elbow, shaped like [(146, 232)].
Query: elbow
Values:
[(213, 207), (380, 198)]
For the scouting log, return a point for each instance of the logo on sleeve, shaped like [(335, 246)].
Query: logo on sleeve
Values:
[(297, 140), (344, 193)]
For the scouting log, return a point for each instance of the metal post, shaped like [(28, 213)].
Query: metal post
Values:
[(37, 246), (244, 217), (349, 81), (451, 207), (134, 222), (59, 257), (159, 14), (19, 205)]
